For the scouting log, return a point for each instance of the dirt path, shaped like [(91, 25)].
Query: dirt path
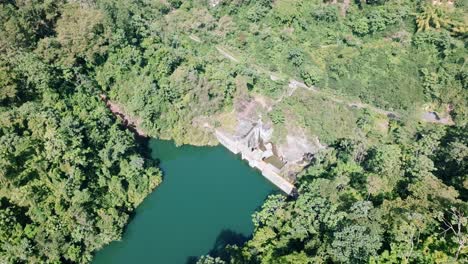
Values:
[(195, 38), (294, 84), (227, 54)]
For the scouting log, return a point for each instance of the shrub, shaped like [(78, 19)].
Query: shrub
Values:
[(277, 116)]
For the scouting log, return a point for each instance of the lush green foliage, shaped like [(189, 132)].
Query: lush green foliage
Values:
[(70, 173), (370, 52), (380, 204), (386, 191), (172, 70)]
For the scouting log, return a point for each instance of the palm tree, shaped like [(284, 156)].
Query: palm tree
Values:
[(459, 29), (431, 17)]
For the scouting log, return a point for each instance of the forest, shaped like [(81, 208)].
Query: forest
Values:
[(387, 189)]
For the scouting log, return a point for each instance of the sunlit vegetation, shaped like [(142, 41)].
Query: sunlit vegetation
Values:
[(70, 173), (388, 203), (386, 190)]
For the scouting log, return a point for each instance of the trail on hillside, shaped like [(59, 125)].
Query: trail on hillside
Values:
[(227, 54), (294, 84)]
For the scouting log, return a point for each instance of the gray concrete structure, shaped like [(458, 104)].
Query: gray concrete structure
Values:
[(252, 147)]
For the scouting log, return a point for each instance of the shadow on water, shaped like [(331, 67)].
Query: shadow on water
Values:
[(225, 237), (142, 145), (228, 237)]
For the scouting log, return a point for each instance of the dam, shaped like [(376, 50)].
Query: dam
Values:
[(252, 143)]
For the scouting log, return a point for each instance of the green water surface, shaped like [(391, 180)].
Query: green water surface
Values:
[(205, 201)]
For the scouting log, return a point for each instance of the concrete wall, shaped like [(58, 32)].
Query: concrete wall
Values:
[(227, 142), (267, 170)]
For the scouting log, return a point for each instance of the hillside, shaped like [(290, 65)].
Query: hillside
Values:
[(364, 103)]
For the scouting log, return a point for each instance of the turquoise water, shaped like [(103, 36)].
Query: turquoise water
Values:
[(205, 201)]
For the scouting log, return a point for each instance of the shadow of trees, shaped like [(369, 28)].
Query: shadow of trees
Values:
[(225, 237)]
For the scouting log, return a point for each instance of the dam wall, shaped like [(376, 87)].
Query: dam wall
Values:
[(254, 158)]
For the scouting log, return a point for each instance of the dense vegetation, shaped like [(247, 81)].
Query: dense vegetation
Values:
[(71, 174), (374, 52), (402, 201)]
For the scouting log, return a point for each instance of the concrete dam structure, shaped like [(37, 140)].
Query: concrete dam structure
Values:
[(252, 143)]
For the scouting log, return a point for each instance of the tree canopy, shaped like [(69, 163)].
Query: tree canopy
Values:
[(388, 188)]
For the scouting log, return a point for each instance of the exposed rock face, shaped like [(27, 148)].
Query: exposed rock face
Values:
[(434, 117), (297, 148), (253, 134), (133, 123)]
